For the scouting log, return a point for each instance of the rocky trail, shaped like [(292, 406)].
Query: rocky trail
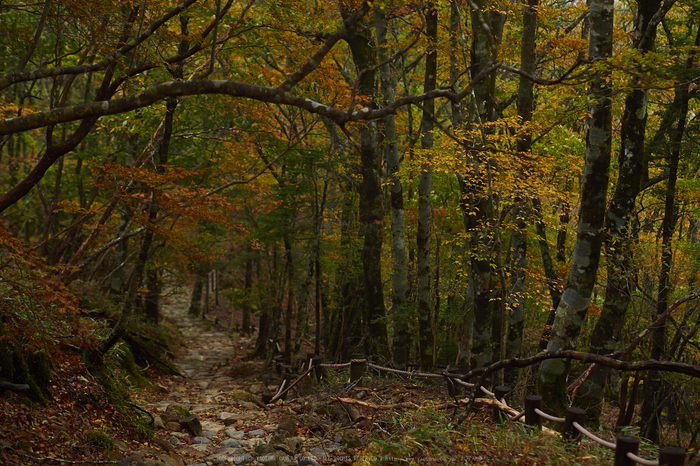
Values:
[(213, 415)]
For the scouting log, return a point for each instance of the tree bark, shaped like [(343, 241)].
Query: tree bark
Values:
[(401, 340), (620, 236), (518, 236), (371, 213), (584, 267), (425, 324)]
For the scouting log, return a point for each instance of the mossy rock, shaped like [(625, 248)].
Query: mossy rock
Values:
[(100, 439)]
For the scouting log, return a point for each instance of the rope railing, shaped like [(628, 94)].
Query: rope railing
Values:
[(550, 417), (592, 436), (640, 460), (625, 447)]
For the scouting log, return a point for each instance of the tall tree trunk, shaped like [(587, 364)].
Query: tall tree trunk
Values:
[(364, 56), (477, 205), (247, 291), (289, 311), (576, 298), (619, 234), (518, 237), (425, 325), (401, 339), (653, 393)]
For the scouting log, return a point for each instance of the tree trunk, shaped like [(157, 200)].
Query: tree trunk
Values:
[(653, 393), (401, 339), (371, 196), (576, 298), (619, 234), (518, 237), (425, 324)]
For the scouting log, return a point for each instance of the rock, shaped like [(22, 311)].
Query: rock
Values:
[(208, 433), (235, 434), (167, 446), (242, 395), (192, 424), (212, 426), (176, 412), (225, 455), (257, 388), (201, 440), (233, 418), (131, 460), (256, 433), (287, 425), (172, 459), (173, 426), (138, 461), (243, 459), (231, 443), (308, 462), (174, 440), (350, 440), (247, 404), (278, 439), (252, 443), (202, 447), (158, 423), (265, 449)]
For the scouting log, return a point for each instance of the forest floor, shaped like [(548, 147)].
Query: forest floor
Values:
[(222, 388)]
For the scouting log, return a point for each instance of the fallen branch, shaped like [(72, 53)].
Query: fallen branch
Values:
[(627, 350), (404, 405), (15, 387), (608, 361)]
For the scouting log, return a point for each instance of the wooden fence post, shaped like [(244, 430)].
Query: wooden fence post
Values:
[(453, 389), (357, 369), (499, 393), (625, 444), (671, 456), (533, 419), (318, 370), (573, 415)]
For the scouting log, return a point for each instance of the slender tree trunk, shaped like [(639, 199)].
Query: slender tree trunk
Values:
[(619, 234), (549, 273), (401, 340), (371, 195), (196, 298), (247, 291), (653, 393), (576, 298), (289, 267), (518, 237), (425, 325), (477, 204)]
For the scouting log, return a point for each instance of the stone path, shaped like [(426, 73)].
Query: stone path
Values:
[(213, 416)]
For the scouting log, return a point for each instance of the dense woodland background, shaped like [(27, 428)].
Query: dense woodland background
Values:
[(434, 183)]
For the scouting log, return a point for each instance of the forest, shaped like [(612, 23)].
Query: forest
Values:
[(426, 184)]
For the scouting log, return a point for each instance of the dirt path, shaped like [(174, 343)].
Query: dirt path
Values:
[(222, 391)]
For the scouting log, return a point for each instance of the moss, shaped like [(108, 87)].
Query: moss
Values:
[(39, 365), (100, 439), (14, 368)]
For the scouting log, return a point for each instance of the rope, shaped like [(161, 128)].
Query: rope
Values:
[(463, 383), (595, 438), (335, 366), (389, 369), (641, 460), (516, 416), (489, 393), (549, 417)]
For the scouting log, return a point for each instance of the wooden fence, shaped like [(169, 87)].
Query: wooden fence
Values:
[(625, 447)]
